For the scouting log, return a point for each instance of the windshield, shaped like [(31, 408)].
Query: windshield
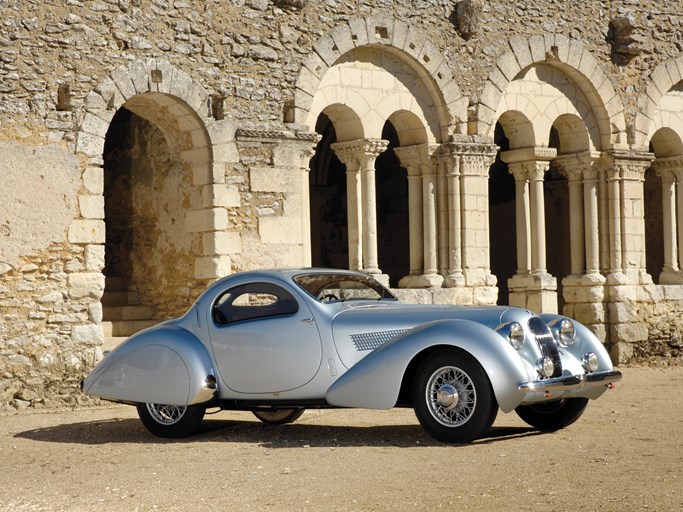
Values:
[(341, 287)]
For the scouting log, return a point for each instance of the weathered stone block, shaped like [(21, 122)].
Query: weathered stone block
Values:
[(210, 219), (86, 232), (212, 267), (93, 180), (85, 284), (224, 196), (94, 258), (222, 242), (90, 334), (91, 207)]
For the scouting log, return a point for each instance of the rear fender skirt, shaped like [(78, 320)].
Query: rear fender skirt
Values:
[(374, 382), (164, 365)]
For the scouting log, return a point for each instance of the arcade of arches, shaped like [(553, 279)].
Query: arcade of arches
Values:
[(537, 192)]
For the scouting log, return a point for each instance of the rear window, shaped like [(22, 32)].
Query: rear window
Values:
[(252, 301)]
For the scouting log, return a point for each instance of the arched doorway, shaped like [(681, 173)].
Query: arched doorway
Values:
[(148, 190)]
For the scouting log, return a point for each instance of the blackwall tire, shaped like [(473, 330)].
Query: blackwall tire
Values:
[(551, 416), (279, 416), (453, 398), (171, 421)]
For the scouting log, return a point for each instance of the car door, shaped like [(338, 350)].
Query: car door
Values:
[(265, 340)]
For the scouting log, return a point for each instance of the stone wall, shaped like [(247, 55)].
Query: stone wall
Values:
[(236, 69)]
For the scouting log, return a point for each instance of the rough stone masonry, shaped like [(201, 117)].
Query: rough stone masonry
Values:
[(464, 152)]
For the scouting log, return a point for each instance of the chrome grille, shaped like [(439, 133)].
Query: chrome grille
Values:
[(546, 343), (373, 340)]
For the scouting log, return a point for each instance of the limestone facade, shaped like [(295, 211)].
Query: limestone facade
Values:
[(462, 152)]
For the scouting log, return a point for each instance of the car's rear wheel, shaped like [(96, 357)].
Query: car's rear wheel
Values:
[(550, 416), (171, 421), (453, 398), (279, 416)]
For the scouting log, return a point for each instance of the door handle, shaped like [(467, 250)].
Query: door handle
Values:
[(307, 320)]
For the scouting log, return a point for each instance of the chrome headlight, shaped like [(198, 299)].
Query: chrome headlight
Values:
[(545, 367), (590, 362), (563, 331), (514, 333)]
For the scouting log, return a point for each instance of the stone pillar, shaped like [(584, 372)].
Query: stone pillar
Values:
[(465, 163), (671, 172), (422, 197), (583, 290), (522, 217), (359, 157), (628, 284), (532, 287)]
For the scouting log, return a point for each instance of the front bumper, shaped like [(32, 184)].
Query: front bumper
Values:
[(571, 382)]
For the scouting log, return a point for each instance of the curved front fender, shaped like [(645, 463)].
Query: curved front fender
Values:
[(375, 382), (164, 365)]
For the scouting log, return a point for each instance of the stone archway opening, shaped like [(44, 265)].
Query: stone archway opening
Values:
[(502, 232), (662, 189), (328, 202), (148, 189), (556, 194), (392, 209)]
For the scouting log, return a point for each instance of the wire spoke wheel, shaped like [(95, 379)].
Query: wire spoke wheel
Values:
[(166, 414), (171, 421), (451, 396)]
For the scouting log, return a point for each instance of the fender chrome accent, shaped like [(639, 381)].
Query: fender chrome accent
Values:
[(570, 382)]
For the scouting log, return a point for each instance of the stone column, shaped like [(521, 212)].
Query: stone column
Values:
[(422, 197), (628, 283), (359, 156), (474, 157), (591, 222), (522, 216), (671, 172), (583, 290), (532, 287)]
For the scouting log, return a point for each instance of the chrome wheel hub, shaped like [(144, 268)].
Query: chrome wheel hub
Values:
[(451, 396), (447, 396)]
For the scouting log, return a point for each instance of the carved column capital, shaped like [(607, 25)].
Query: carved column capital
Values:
[(357, 154)]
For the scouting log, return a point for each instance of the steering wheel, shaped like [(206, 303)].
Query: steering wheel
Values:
[(328, 297)]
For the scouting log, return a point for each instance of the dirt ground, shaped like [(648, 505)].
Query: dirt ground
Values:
[(624, 454)]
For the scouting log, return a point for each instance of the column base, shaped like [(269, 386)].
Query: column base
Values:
[(536, 292), (423, 281), (671, 277), (454, 280), (381, 278)]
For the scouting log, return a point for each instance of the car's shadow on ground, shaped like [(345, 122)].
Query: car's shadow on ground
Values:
[(295, 435)]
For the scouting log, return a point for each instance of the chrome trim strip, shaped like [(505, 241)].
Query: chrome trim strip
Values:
[(570, 382)]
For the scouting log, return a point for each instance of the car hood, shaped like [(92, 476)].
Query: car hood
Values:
[(360, 328)]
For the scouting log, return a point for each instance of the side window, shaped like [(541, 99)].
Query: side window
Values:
[(253, 300)]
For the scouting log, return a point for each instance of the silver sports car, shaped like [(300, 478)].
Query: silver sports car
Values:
[(280, 341)]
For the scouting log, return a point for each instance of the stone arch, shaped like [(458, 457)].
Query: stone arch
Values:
[(171, 101), (663, 79), (572, 133), (518, 129), (408, 127), (402, 47), (576, 63)]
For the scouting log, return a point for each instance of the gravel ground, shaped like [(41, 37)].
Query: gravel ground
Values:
[(624, 454)]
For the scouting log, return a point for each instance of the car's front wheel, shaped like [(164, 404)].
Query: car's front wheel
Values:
[(171, 421), (278, 416), (550, 416), (453, 398)]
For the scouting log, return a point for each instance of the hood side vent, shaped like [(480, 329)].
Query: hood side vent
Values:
[(373, 340)]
